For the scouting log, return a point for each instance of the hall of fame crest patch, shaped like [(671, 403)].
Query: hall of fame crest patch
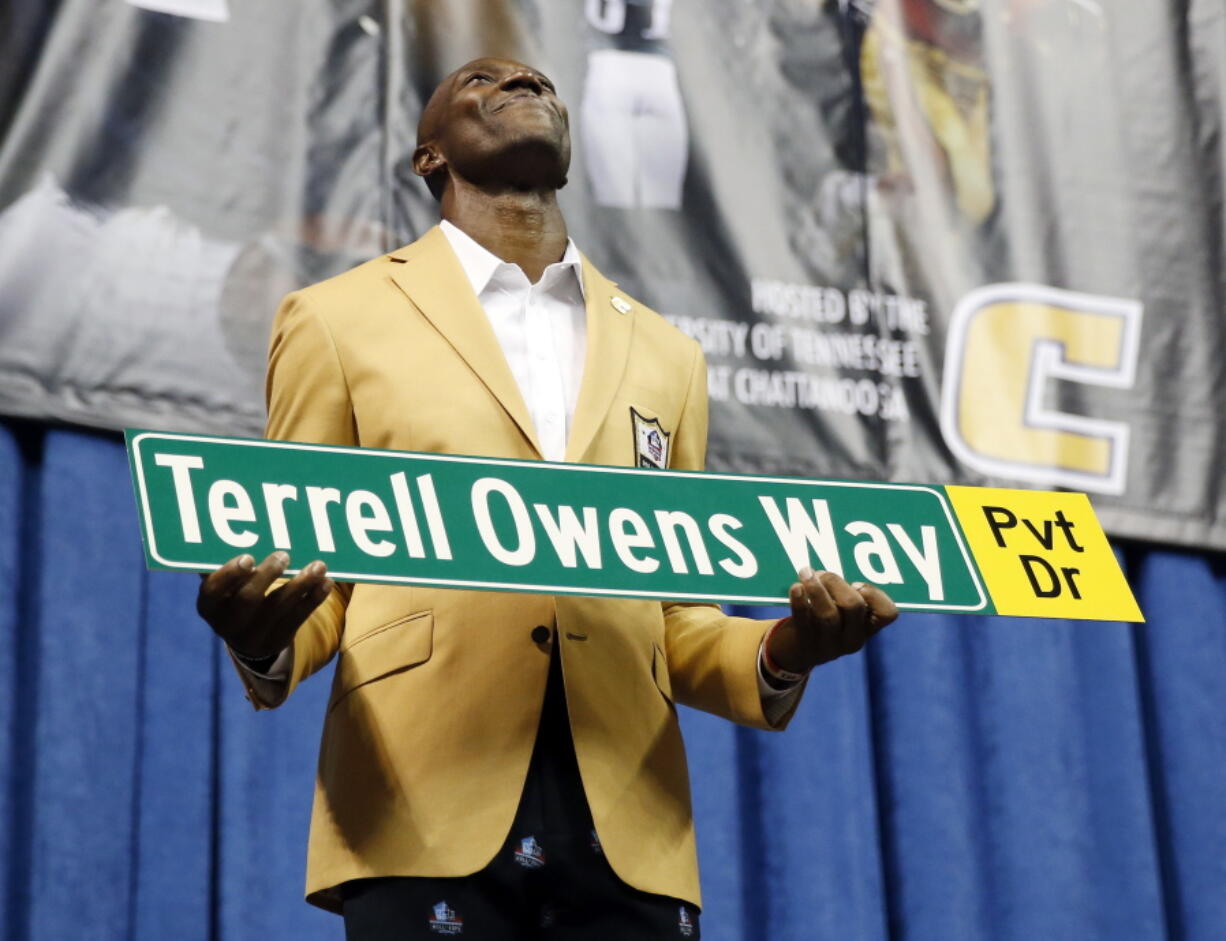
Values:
[(685, 924), (530, 854), (445, 920), (650, 442)]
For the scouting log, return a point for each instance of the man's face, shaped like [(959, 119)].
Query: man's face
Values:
[(499, 121)]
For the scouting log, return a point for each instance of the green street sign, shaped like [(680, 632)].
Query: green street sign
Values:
[(505, 525)]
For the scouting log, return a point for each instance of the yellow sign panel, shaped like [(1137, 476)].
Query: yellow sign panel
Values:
[(1043, 554)]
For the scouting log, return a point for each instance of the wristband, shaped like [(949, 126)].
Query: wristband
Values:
[(776, 671)]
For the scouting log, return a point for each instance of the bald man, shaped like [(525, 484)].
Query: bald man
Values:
[(504, 765)]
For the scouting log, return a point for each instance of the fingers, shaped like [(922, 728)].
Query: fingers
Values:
[(231, 576), (237, 603), (828, 598), (285, 609), (267, 572), (854, 623), (305, 590), (881, 608), (220, 585), (810, 599), (839, 617), (853, 608), (302, 604), (310, 576)]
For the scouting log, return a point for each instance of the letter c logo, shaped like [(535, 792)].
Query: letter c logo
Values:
[(1006, 344)]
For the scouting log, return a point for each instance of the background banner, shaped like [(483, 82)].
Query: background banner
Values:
[(945, 241)]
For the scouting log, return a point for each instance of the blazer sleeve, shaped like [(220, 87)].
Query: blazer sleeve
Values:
[(712, 658), (308, 400)]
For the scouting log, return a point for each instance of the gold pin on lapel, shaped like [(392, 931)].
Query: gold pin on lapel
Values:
[(620, 304)]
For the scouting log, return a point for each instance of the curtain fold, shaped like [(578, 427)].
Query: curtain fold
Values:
[(963, 778)]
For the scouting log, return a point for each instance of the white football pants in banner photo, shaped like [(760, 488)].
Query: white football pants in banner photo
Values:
[(633, 130)]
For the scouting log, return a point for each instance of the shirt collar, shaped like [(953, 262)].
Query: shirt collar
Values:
[(480, 264)]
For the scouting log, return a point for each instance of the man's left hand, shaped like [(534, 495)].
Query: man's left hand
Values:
[(829, 618)]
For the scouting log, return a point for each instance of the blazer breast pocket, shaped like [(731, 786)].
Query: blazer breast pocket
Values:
[(391, 648)]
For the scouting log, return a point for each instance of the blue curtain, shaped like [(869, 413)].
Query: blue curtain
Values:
[(964, 778)]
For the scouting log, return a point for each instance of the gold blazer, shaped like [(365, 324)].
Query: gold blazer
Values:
[(437, 692)]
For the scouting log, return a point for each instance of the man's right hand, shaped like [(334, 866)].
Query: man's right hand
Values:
[(253, 621)]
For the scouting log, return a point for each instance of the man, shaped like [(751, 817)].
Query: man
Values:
[(500, 765)]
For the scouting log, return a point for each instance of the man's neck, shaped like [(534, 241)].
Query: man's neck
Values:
[(525, 228)]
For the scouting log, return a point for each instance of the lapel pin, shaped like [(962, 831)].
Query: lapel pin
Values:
[(620, 304)]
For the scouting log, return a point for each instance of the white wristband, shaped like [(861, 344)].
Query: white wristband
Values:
[(776, 671)]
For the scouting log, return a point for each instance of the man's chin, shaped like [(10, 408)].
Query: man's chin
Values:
[(536, 161)]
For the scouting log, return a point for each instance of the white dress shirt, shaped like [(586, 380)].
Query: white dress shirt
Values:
[(542, 329)]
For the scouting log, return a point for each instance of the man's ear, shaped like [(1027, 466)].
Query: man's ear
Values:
[(427, 161)]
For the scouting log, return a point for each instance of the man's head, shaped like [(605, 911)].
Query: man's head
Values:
[(493, 122)]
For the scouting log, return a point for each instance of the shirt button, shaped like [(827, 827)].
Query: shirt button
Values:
[(540, 634)]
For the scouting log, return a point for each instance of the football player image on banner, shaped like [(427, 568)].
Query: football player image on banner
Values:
[(938, 46), (167, 277), (632, 118), (146, 235)]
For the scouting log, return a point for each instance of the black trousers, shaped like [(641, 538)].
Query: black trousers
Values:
[(550, 880)]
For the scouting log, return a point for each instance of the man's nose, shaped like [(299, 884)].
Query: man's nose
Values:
[(522, 78)]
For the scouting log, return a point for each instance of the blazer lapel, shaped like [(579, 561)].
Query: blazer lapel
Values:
[(610, 324), (432, 278)]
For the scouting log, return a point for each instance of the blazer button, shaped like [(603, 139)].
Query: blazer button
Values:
[(540, 634)]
